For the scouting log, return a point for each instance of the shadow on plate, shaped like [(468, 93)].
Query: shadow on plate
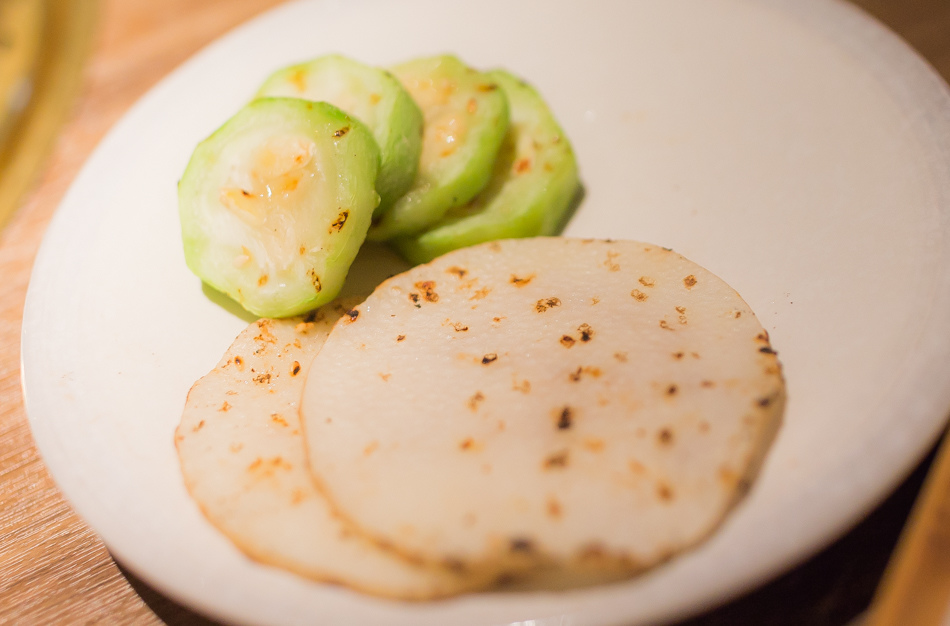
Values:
[(168, 611), (835, 586), (374, 264)]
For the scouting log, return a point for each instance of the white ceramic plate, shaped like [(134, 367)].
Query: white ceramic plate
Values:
[(795, 148)]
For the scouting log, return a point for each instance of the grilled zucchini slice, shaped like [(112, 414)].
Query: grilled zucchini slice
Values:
[(466, 117), (534, 183), (276, 203), (371, 95)]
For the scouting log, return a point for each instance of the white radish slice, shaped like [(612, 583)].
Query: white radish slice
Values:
[(586, 407), (244, 463)]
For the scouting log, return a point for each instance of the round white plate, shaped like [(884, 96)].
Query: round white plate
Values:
[(795, 148)]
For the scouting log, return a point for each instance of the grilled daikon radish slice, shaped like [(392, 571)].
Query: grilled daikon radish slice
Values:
[(466, 117), (589, 408), (276, 203), (243, 459), (372, 96), (533, 185)]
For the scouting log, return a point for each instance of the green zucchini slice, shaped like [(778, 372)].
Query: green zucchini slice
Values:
[(533, 185), (371, 95), (276, 203), (466, 117)]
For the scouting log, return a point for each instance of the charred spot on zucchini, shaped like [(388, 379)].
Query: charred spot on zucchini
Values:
[(277, 193)]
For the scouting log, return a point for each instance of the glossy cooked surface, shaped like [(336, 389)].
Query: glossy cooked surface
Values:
[(372, 96), (533, 185), (466, 117), (276, 203)]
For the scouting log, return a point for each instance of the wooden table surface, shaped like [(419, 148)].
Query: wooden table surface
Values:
[(54, 570)]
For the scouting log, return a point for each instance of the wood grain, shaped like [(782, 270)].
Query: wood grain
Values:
[(53, 569), (915, 588)]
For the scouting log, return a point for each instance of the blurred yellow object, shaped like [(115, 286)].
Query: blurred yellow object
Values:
[(915, 589), (43, 45)]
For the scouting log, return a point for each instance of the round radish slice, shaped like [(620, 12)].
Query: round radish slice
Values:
[(243, 459), (586, 407)]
